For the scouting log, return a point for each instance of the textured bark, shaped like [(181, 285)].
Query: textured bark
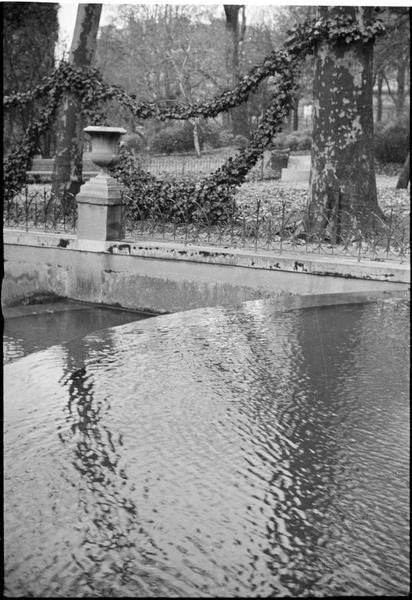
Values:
[(240, 121), (343, 185), (67, 171)]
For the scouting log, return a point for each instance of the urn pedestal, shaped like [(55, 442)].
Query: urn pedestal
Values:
[(99, 200)]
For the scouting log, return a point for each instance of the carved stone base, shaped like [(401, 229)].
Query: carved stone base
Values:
[(100, 209)]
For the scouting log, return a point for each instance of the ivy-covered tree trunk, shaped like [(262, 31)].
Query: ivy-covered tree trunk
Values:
[(67, 171), (30, 32), (342, 182)]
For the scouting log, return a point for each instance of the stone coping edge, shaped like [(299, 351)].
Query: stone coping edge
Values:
[(326, 265), (63, 304), (284, 303)]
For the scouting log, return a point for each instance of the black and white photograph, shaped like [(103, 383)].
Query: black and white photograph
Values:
[(206, 299)]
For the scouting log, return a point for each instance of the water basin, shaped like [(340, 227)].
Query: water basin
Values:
[(219, 452)]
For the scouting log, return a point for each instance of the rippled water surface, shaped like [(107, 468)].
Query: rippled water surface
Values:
[(213, 453)]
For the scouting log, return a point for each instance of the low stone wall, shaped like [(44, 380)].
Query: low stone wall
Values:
[(164, 277)]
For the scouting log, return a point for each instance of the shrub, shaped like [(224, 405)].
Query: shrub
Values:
[(240, 141), (175, 199), (392, 141), (175, 138), (134, 142), (225, 138), (211, 134), (296, 140), (387, 169)]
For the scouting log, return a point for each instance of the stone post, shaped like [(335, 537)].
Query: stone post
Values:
[(99, 200)]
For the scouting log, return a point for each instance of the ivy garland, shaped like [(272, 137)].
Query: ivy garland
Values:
[(91, 92), (87, 85), (208, 197)]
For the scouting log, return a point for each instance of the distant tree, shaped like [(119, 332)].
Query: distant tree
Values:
[(139, 52), (343, 185), (30, 33), (405, 174), (236, 29), (164, 53), (67, 170), (269, 33), (392, 59)]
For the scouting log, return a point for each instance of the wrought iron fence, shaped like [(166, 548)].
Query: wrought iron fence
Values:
[(283, 228), (254, 225), (36, 208)]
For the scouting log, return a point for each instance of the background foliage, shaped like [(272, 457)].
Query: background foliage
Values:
[(165, 63)]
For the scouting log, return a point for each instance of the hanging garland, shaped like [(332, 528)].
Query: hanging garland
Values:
[(20, 159), (87, 85), (91, 92), (210, 196), (301, 39)]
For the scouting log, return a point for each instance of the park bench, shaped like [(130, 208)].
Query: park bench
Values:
[(42, 170)]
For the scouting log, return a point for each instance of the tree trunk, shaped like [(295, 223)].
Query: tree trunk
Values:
[(196, 142), (240, 122), (405, 174), (295, 119), (342, 182), (67, 171), (379, 99), (400, 95), (289, 120)]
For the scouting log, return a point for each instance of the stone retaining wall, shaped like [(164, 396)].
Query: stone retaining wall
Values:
[(164, 277)]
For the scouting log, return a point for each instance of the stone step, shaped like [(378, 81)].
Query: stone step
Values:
[(299, 162), (295, 175)]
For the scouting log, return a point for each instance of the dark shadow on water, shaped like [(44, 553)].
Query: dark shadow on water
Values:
[(30, 333)]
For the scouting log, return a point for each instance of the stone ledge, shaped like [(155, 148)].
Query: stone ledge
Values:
[(326, 265), (39, 238), (335, 266)]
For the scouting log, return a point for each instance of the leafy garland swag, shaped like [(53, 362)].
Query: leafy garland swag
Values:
[(91, 92)]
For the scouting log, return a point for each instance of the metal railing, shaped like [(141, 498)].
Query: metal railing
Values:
[(36, 208), (282, 229), (255, 224)]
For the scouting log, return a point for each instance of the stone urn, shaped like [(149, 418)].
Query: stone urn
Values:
[(99, 200), (105, 145)]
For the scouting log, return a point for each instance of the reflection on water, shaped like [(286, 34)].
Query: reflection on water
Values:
[(32, 332), (213, 453)]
